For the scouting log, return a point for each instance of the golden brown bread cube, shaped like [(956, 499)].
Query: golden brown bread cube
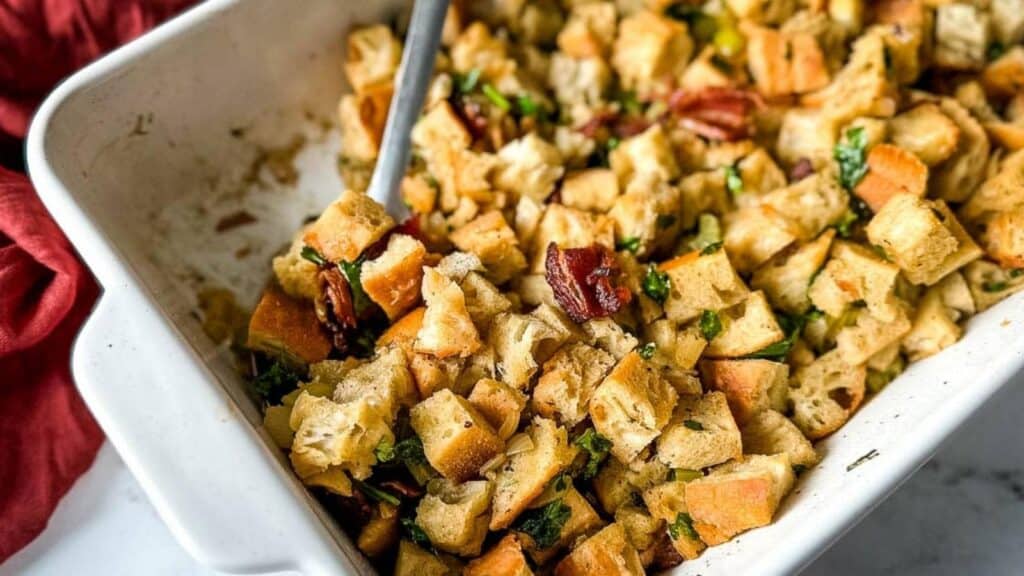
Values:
[(393, 279), (296, 275), (328, 434), (755, 234), (701, 282), (646, 154), (750, 386), (891, 170), (632, 406), (607, 553), (415, 561), (569, 228), (785, 278), (933, 328), (372, 56), (955, 178), (855, 274), (447, 328), (648, 49), (491, 238), (825, 394), (529, 166), (285, 327), (520, 342), (568, 381), (590, 30), (454, 516), (500, 404), (457, 439), (769, 432), (593, 189), (667, 502), (643, 530), (348, 226), (869, 335), (582, 519), (362, 117), (384, 381), (701, 433), (925, 131), (746, 328), (1004, 238), (503, 559), (380, 534), (811, 204)]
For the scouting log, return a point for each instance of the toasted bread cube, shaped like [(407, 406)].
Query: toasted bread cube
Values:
[(982, 276), (701, 433), (1002, 192), (380, 534), (750, 386), (526, 473), (582, 519), (862, 87), (529, 167), (402, 332), (569, 228), (784, 63), (811, 204), (891, 170), (568, 382), (440, 128), (925, 131), (503, 559), (755, 234), (590, 30), (933, 329), (762, 11), (362, 117), (393, 279), (580, 86), (668, 502), (701, 282), (328, 434), (1004, 76), (825, 394), (738, 496), (285, 327), (454, 516), (491, 238), (593, 189), (769, 432), (477, 48), (746, 328), (607, 335), (961, 36), (648, 213), (648, 153), (648, 49), (415, 561), (922, 237), (384, 382), (785, 278), (855, 274), (632, 406), (679, 347), (517, 339), (959, 175), (806, 133), (607, 553), (618, 484), (447, 328), (372, 56), (1004, 238), (702, 72), (296, 275), (500, 404), (1007, 20), (760, 175), (869, 335), (642, 529), (457, 439), (348, 226)]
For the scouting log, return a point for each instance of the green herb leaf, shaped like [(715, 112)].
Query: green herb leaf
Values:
[(631, 244), (310, 253), (995, 51), (994, 286), (1016, 272), (851, 155), (596, 447), (630, 104), (468, 82), (683, 526), (710, 324), (647, 350), (693, 425), (684, 475), (791, 326), (410, 451), (844, 226), (711, 249), (275, 382), (526, 105), (385, 451), (665, 221), (702, 26), (544, 525), (656, 284), (416, 534), (353, 272), (812, 315), (733, 181), (612, 143), (496, 98), (375, 493)]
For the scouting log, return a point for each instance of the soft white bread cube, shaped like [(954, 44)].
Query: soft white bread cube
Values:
[(1007, 20), (328, 435), (484, 300), (518, 340), (372, 56), (503, 559), (393, 279), (648, 49), (855, 274), (746, 328), (825, 393), (769, 432), (607, 553), (529, 166), (648, 153), (296, 275), (447, 329), (525, 474), (925, 131), (491, 238), (569, 228), (287, 328), (738, 496), (632, 406), (667, 502), (580, 86), (457, 439), (785, 278), (568, 381), (674, 346), (933, 328), (384, 381), (701, 433), (701, 282), (922, 237), (455, 516), (593, 189), (606, 334), (500, 404), (750, 386), (962, 34), (348, 226)]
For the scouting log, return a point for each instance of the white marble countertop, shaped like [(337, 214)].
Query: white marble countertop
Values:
[(963, 513)]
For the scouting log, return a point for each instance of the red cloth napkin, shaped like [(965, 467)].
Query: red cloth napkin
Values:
[(47, 436)]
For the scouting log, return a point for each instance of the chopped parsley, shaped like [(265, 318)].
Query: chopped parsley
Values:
[(544, 525), (374, 493), (995, 51), (647, 350), (410, 451), (791, 327), (310, 253), (710, 324), (733, 181), (1016, 272), (385, 451), (995, 286), (631, 244), (702, 26), (612, 143), (711, 249), (527, 106), (353, 272), (851, 155), (596, 447), (844, 226), (630, 104), (275, 382), (496, 98), (693, 425), (683, 526), (467, 83), (685, 475), (665, 221), (656, 284), (416, 534)]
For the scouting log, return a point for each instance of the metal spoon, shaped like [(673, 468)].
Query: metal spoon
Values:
[(414, 74)]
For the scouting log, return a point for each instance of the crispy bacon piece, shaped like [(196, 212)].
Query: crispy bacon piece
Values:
[(335, 308), (802, 169), (583, 281), (664, 555), (716, 113)]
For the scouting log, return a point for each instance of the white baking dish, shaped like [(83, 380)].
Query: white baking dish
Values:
[(139, 155)]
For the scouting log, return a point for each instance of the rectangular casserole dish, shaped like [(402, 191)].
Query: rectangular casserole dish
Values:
[(227, 109)]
